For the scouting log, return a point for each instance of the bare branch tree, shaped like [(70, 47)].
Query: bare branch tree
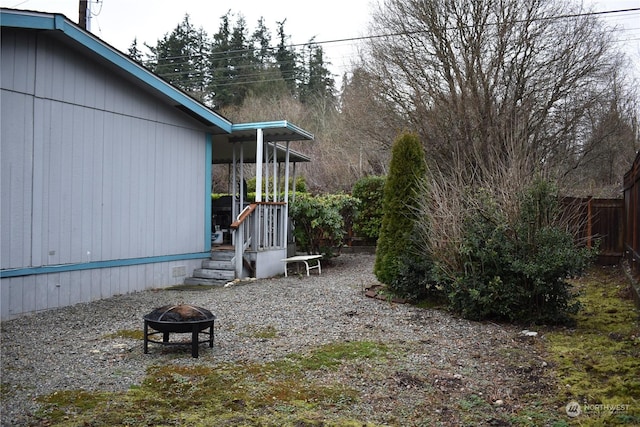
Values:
[(481, 80)]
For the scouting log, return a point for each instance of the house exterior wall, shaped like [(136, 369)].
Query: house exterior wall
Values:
[(102, 185)]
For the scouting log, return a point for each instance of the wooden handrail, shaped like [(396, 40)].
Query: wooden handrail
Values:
[(249, 210), (243, 215)]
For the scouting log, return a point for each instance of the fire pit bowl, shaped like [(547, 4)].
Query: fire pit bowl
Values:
[(181, 318)]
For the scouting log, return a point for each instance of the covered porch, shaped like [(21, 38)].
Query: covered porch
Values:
[(249, 236)]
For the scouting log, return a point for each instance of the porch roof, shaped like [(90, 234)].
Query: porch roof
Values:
[(273, 132)]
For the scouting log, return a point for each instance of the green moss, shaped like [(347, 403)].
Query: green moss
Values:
[(260, 332), (598, 362), (332, 355), (274, 393), (134, 334)]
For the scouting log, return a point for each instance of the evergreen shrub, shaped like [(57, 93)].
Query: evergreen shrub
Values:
[(396, 250), (320, 221), (517, 271), (370, 191)]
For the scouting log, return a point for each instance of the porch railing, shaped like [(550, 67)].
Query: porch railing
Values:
[(260, 226)]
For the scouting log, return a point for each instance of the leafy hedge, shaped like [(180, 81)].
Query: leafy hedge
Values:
[(370, 191), (320, 221), (517, 270)]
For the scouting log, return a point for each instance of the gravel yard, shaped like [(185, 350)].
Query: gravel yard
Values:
[(441, 370)]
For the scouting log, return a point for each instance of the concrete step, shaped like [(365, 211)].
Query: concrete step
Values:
[(222, 255), (206, 273), (205, 282), (218, 264)]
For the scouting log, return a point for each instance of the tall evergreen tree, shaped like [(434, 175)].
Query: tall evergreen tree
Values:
[(395, 247), (177, 58), (222, 72), (261, 40), (318, 83), (135, 53), (286, 58)]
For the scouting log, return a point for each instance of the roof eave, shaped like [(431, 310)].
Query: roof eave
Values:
[(57, 22), (298, 134)]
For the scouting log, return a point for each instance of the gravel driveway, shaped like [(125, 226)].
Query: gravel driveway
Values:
[(440, 358)]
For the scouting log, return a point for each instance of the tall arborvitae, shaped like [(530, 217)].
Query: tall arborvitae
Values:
[(395, 244)]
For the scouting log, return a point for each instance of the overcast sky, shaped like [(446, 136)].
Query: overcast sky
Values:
[(118, 22)]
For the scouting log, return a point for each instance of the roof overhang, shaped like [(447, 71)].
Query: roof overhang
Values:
[(244, 133), (59, 24), (273, 133)]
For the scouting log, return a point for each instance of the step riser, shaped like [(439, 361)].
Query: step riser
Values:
[(193, 281), (217, 271), (222, 255), (218, 265), (205, 273)]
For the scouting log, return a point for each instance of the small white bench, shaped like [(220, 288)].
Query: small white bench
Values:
[(305, 259)]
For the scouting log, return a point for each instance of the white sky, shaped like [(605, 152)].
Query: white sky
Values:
[(118, 22)]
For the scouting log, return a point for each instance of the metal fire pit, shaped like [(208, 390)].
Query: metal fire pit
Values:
[(180, 319)]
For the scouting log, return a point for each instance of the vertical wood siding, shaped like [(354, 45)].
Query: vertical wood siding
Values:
[(632, 216), (93, 169)]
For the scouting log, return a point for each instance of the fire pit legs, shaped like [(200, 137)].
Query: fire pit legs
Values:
[(195, 325), (146, 337), (196, 330)]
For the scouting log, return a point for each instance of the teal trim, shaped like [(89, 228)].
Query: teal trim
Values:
[(208, 160), (26, 20), (101, 264), (282, 124), (42, 21)]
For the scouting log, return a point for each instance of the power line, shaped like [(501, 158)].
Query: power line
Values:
[(351, 41)]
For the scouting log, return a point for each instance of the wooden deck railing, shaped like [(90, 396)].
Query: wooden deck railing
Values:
[(259, 227)]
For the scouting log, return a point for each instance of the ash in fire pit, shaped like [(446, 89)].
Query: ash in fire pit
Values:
[(179, 313), (181, 318)]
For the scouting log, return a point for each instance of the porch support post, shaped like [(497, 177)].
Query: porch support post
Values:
[(259, 159), (275, 172), (234, 178), (285, 214), (293, 197), (266, 172)]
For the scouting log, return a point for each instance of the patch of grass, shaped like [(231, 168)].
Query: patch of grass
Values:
[(331, 355), (275, 393), (260, 332), (134, 334), (598, 362)]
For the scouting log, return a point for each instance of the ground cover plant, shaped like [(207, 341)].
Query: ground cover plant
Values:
[(521, 381), (598, 360)]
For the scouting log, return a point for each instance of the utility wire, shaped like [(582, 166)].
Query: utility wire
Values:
[(243, 79)]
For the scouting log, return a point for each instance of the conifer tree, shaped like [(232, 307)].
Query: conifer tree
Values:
[(406, 170)]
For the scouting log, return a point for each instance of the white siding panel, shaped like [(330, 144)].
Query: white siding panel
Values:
[(96, 142), (20, 295), (16, 175), (17, 63), (84, 284), (96, 284), (106, 172)]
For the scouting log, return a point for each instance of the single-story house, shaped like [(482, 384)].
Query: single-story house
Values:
[(106, 173)]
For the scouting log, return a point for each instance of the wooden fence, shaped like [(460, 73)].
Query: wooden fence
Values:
[(601, 220), (632, 216)]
